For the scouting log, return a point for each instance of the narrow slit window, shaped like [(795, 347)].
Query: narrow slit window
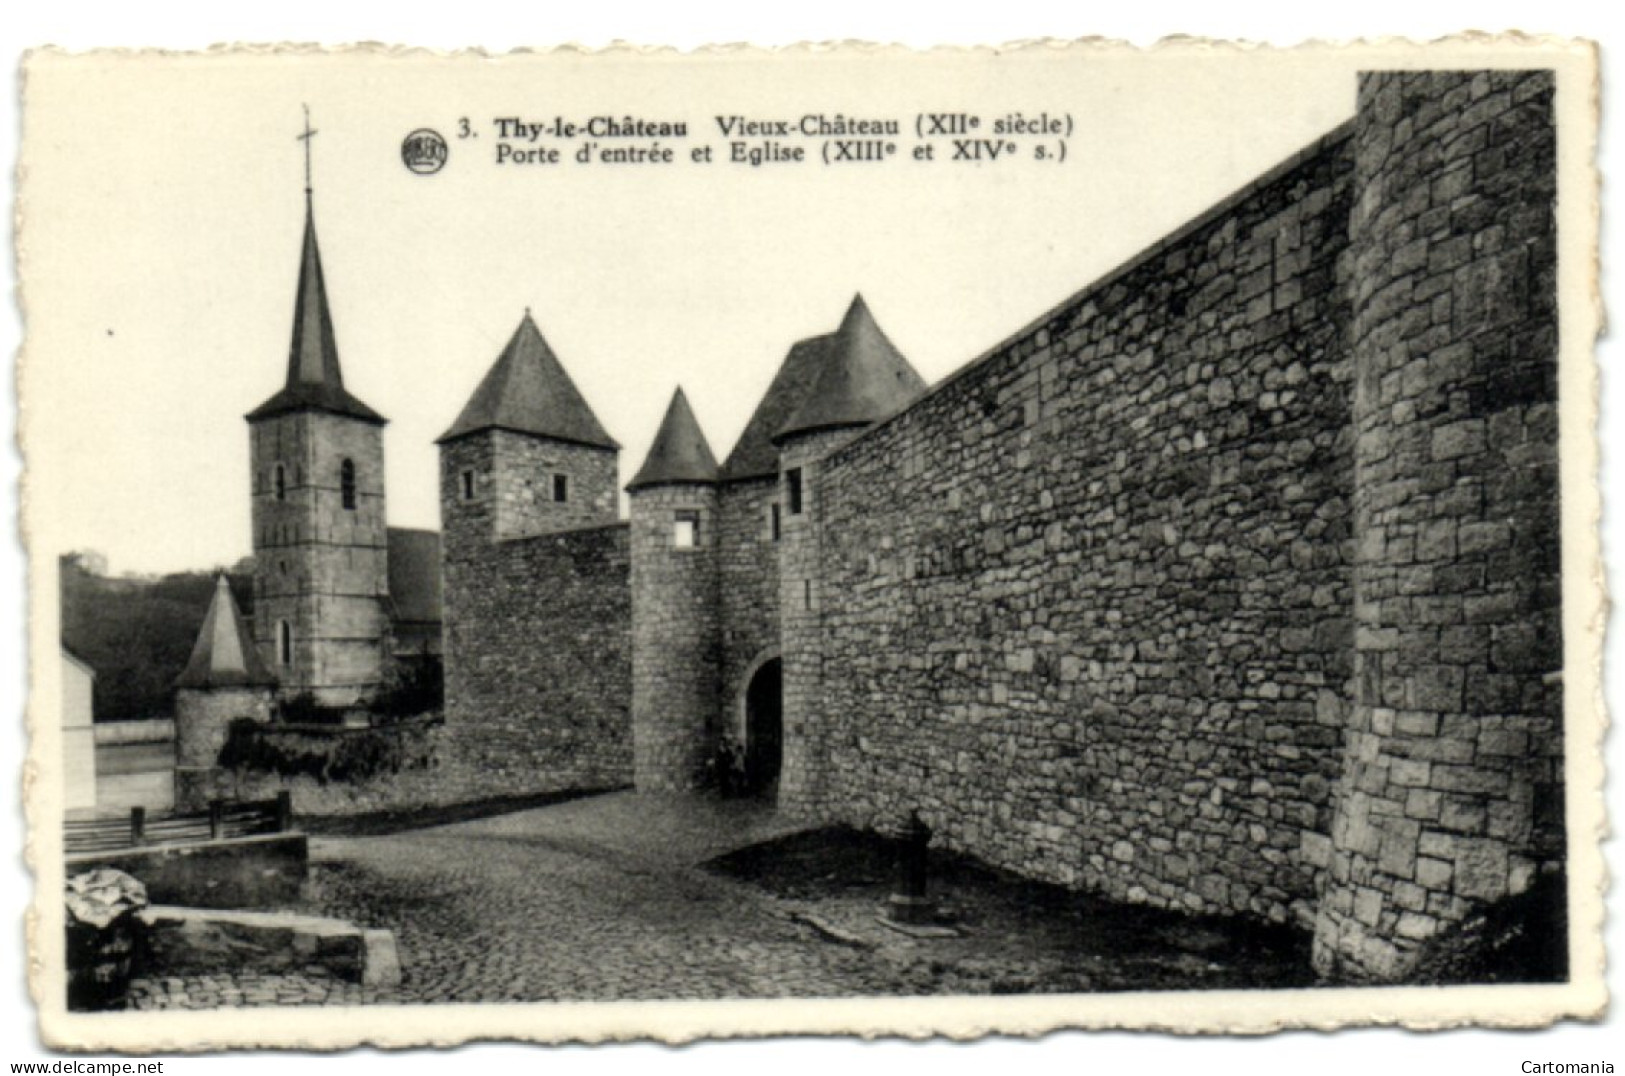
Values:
[(792, 482), (806, 593), (347, 483), (561, 488), (284, 643), (775, 524), (685, 529), (468, 485), (279, 479)]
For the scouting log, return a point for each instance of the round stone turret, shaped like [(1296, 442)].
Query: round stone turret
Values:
[(675, 636)]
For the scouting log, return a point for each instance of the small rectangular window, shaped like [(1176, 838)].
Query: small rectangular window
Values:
[(775, 525), (685, 529), (468, 485), (792, 481), (561, 488), (284, 643), (347, 484)]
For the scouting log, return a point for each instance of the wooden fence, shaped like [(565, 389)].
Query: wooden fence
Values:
[(222, 821)]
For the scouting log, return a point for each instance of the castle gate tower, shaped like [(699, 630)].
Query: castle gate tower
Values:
[(861, 379)]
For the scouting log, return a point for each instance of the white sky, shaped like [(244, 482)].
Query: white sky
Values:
[(162, 216)]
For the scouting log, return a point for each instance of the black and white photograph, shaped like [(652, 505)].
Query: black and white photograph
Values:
[(574, 545)]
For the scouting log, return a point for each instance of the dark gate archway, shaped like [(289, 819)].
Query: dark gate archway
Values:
[(764, 729)]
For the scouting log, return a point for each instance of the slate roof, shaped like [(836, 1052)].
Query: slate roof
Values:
[(315, 381), (414, 575), (528, 391), (224, 654), (679, 452), (754, 454), (862, 379)]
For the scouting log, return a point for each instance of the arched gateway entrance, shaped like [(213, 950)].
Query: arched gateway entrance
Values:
[(764, 729)]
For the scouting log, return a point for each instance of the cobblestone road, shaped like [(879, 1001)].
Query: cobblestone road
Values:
[(595, 899), (602, 899)]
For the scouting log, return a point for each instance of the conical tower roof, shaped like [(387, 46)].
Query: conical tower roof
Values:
[(863, 379), (315, 381), (679, 452), (527, 391), (754, 454), (224, 654)]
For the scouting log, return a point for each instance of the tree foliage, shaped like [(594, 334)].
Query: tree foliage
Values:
[(137, 633)]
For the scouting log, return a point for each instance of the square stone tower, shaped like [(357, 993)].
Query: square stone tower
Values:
[(321, 577)]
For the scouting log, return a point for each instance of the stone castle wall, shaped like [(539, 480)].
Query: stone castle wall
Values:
[(806, 588), (1229, 585), (1095, 592), (1452, 789), (538, 674)]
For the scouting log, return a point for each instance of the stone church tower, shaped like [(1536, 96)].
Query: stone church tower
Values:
[(321, 580)]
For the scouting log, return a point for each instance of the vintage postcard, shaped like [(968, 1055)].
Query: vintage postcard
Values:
[(569, 545)]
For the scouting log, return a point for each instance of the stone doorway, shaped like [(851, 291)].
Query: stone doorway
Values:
[(764, 729)]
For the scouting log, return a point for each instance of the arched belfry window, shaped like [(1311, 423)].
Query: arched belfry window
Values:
[(279, 479), (347, 483)]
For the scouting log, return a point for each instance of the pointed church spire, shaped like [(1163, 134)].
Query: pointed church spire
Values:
[(224, 654), (679, 452), (863, 378), (314, 381), (528, 391), (313, 357)]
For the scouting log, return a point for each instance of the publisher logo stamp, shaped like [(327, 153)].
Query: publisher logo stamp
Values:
[(424, 151)]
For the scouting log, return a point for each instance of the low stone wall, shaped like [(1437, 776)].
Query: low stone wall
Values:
[(243, 872), (329, 754), (447, 775), (192, 941)]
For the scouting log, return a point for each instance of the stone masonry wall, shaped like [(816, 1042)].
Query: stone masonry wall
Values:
[(202, 720), (519, 480), (804, 581), (748, 585), (1452, 792), (204, 716), (1095, 591), (674, 637), (319, 566), (537, 641)]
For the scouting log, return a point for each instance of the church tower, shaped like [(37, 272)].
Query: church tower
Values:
[(321, 575)]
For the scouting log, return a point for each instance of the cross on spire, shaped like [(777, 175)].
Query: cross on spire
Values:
[(305, 138)]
